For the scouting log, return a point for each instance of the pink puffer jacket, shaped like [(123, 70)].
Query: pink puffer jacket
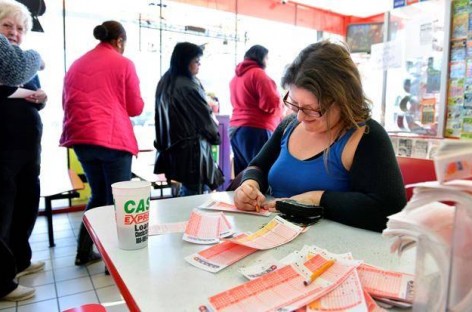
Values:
[(101, 93)]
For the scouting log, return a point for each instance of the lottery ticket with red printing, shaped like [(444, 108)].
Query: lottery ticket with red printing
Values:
[(225, 228), (264, 293), (275, 233), (348, 296), (387, 284), (222, 206), (371, 304), (219, 256), (206, 228)]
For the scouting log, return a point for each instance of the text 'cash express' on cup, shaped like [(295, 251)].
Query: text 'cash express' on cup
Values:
[(136, 212)]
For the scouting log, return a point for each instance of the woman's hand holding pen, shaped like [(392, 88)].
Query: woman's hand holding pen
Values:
[(248, 197)]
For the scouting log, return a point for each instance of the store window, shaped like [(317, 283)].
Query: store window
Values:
[(153, 29), (50, 44), (283, 41)]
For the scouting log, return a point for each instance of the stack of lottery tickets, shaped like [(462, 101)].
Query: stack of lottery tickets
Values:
[(207, 228), (347, 285), (275, 233)]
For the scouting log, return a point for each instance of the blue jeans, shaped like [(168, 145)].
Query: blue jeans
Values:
[(102, 167), (246, 142)]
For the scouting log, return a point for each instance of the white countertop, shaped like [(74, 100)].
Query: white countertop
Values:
[(157, 278)]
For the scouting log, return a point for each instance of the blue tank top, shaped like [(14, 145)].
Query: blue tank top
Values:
[(289, 176)]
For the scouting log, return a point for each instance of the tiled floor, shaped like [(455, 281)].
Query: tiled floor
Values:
[(62, 285)]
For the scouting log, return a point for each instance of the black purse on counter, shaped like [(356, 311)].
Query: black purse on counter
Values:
[(299, 213)]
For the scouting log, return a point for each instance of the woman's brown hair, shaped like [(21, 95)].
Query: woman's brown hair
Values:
[(327, 70)]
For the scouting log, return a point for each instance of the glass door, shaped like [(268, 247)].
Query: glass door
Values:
[(413, 88)]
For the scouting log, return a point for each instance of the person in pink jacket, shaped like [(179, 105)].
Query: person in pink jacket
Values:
[(101, 93), (257, 109)]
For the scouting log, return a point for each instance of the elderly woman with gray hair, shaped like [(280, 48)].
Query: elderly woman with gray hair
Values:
[(17, 66), (20, 148)]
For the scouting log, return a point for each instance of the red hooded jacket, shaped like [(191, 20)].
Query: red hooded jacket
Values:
[(255, 99)]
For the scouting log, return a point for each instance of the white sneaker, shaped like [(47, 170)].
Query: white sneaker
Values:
[(20, 293), (33, 268)]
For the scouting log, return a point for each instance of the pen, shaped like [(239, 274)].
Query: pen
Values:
[(323, 268), (253, 189)]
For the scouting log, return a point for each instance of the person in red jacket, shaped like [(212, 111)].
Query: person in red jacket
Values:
[(257, 109), (101, 93)]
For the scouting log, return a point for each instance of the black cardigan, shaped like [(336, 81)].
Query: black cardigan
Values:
[(376, 183)]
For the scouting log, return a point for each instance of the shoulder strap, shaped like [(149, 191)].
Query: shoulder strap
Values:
[(289, 120)]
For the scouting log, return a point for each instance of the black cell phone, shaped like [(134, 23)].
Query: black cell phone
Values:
[(299, 213)]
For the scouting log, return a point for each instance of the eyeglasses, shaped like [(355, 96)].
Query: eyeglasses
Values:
[(307, 111)]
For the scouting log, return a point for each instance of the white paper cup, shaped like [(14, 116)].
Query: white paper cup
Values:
[(132, 200)]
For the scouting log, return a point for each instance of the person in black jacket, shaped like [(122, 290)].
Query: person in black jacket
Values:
[(185, 127), (331, 153), (20, 148)]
